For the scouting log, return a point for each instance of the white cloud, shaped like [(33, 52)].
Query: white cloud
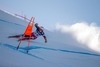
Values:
[(84, 33)]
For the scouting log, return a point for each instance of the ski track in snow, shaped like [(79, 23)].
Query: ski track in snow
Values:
[(46, 48)]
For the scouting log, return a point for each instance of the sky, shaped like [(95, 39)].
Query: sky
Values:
[(50, 12)]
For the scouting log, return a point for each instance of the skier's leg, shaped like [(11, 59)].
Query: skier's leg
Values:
[(33, 36), (16, 36), (26, 37)]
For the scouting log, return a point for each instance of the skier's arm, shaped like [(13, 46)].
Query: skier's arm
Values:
[(45, 39)]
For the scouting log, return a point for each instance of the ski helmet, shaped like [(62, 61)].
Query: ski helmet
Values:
[(36, 24)]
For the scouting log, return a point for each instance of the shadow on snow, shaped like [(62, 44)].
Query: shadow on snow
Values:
[(24, 52)]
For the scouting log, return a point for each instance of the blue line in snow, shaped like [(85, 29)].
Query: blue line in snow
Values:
[(53, 49), (9, 22), (24, 52)]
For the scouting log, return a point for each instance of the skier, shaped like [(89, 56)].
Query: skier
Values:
[(39, 32)]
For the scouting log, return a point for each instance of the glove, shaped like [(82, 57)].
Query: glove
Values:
[(45, 41)]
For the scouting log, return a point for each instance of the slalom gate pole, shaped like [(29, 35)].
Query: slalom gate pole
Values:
[(28, 31)]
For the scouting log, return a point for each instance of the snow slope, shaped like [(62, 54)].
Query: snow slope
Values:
[(60, 51)]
